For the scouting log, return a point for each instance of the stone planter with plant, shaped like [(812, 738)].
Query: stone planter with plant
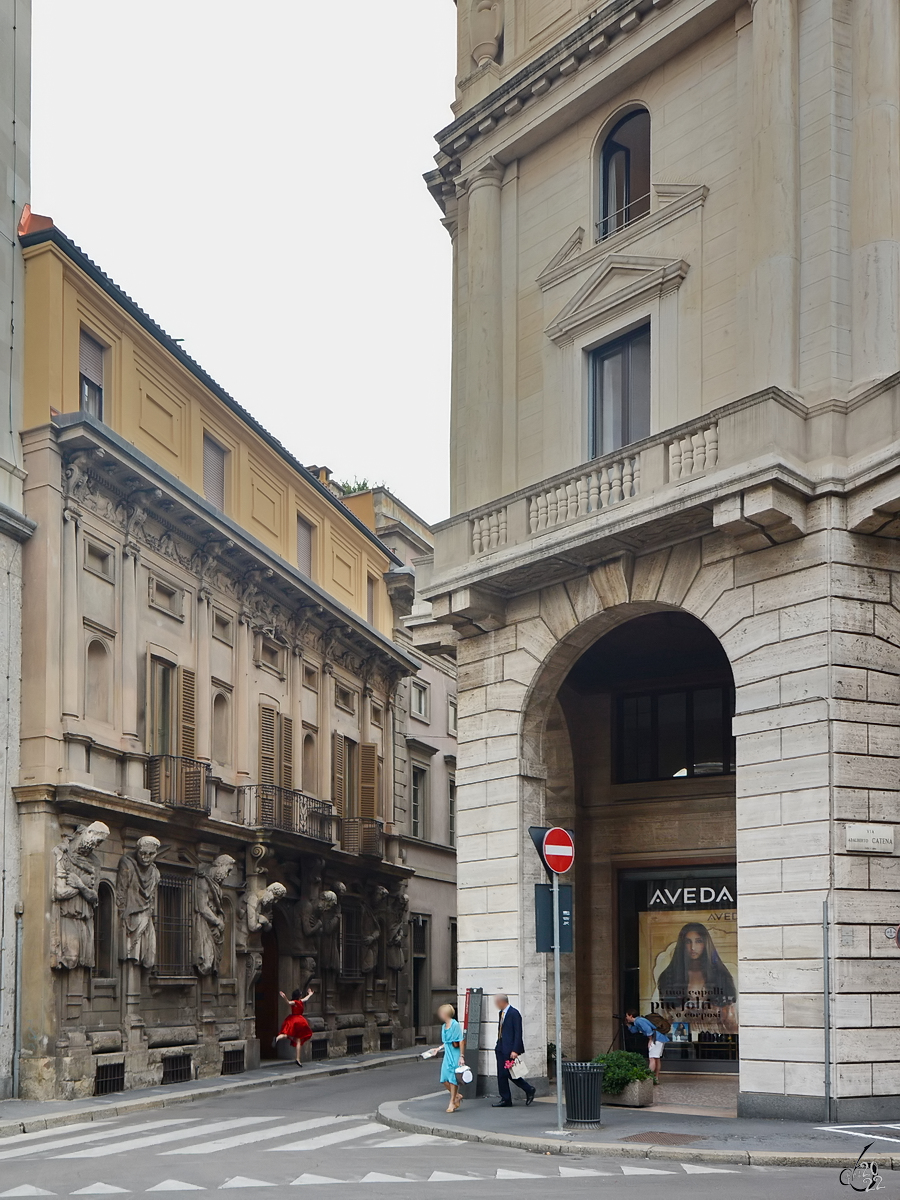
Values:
[(626, 1079)]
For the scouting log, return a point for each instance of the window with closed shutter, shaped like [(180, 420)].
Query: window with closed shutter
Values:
[(268, 718), (187, 713), (368, 780), (286, 752), (304, 546), (90, 368), (214, 472), (338, 767)]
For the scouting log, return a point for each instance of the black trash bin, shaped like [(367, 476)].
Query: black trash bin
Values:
[(583, 1087)]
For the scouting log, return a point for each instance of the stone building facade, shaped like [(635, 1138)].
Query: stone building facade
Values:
[(15, 528), (424, 767), (670, 576), (204, 793)]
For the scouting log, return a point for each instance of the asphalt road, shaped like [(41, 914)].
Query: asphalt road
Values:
[(324, 1134)]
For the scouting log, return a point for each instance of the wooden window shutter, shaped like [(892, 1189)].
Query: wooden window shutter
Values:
[(267, 724), (368, 780), (286, 752), (187, 713), (90, 359), (338, 768), (304, 546), (214, 472)]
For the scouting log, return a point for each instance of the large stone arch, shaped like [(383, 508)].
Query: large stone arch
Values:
[(509, 684)]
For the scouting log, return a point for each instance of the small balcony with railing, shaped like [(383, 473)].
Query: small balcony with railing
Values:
[(363, 836), (668, 482), (179, 782), (266, 806)]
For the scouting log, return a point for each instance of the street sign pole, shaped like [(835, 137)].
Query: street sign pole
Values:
[(557, 991), (558, 854)]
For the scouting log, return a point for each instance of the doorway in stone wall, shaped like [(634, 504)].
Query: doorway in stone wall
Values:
[(270, 1009), (641, 763)]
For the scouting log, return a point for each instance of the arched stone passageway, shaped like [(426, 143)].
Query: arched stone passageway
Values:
[(815, 703), (639, 757)]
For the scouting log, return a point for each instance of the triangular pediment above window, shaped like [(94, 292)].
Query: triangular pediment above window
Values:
[(620, 282), (565, 253)]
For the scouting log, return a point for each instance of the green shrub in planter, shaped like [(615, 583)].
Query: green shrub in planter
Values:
[(622, 1067)]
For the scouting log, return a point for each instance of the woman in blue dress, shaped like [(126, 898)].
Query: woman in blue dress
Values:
[(451, 1038)]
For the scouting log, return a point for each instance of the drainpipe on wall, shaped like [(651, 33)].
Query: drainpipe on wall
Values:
[(17, 1040)]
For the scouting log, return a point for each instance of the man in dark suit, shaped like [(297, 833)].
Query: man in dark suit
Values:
[(509, 1046)]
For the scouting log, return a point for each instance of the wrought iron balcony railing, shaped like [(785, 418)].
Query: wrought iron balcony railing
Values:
[(270, 807), (362, 835), (178, 782)]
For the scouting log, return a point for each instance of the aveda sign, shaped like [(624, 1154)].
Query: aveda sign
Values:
[(687, 897)]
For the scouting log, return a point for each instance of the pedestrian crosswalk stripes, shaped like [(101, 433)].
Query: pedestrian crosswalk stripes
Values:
[(277, 1150), (262, 1135), (20, 1151), (154, 1139), (331, 1139)]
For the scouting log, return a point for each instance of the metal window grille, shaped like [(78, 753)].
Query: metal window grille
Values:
[(319, 1049), (173, 956), (177, 1068), (104, 927), (386, 1041), (233, 1061), (351, 943), (355, 1043), (419, 935), (110, 1077), (214, 472)]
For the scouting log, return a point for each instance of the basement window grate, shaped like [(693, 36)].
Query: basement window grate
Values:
[(177, 1068), (233, 1062), (386, 1041), (355, 1043), (110, 1077), (320, 1049)]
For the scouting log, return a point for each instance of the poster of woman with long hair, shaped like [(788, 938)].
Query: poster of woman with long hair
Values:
[(688, 968)]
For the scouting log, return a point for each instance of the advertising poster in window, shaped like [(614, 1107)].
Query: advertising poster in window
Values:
[(688, 964)]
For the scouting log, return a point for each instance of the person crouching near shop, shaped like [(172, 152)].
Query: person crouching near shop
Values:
[(656, 1039)]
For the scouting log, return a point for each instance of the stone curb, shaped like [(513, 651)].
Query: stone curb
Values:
[(124, 1107), (391, 1114)]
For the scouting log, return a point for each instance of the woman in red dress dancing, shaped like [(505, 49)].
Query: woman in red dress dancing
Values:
[(296, 1027)]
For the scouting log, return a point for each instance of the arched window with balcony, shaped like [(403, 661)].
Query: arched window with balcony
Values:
[(624, 174)]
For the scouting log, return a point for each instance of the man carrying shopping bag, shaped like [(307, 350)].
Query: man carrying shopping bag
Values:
[(509, 1048)]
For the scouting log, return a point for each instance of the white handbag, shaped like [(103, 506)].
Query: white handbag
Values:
[(519, 1069)]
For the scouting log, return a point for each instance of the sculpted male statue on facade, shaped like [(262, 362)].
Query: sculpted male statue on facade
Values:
[(309, 917), (209, 914), (373, 928), (255, 911), (397, 931), (75, 883), (137, 882), (257, 906)]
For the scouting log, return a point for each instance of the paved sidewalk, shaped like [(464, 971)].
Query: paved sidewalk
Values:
[(665, 1135), (26, 1116)]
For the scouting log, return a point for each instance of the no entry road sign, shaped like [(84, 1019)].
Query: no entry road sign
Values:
[(559, 850)]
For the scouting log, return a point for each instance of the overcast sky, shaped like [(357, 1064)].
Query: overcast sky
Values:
[(251, 174)]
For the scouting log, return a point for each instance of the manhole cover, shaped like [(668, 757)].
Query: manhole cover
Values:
[(664, 1139)]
